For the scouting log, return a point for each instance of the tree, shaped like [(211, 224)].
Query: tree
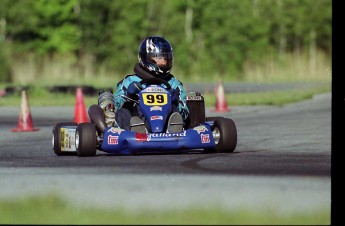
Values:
[(43, 26)]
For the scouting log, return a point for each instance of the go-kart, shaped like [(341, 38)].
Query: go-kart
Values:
[(211, 134)]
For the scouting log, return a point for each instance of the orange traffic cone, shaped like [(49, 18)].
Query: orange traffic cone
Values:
[(221, 104), (25, 121), (80, 114)]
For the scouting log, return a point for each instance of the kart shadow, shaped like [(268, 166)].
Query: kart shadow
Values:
[(197, 151)]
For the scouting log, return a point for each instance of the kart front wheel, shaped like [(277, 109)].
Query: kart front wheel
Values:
[(225, 135), (85, 139), (57, 139)]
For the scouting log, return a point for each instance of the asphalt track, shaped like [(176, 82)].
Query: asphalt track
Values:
[(282, 163)]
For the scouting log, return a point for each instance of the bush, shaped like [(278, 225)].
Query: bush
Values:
[(5, 72)]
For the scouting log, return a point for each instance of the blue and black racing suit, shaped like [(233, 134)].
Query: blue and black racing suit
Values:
[(120, 102)]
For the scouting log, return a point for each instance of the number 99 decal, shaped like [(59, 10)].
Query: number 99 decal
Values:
[(155, 99)]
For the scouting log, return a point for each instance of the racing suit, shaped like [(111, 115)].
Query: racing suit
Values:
[(137, 77)]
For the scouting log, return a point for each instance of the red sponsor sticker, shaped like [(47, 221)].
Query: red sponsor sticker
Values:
[(205, 138), (157, 117), (140, 137), (113, 139)]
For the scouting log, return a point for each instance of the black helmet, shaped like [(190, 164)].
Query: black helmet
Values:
[(156, 55)]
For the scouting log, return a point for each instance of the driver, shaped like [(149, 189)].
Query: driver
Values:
[(155, 60)]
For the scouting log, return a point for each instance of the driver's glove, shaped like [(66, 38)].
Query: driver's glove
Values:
[(133, 90), (175, 93)]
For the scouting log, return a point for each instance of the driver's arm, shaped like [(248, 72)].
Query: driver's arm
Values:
[(121, 89), (182, 106)]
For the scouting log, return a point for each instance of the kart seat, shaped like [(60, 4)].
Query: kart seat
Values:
[(196, 106)]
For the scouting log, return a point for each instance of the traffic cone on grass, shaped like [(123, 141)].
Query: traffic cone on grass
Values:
[(221, 104), (25, 121), (80, 114)]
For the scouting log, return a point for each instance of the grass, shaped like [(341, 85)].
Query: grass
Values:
[(290, 68), (42, 97), (63, 70), (268, 98), (49, 209), (287, 68)]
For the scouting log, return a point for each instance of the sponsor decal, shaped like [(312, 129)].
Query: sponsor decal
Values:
[(200, 129), (155, 89), (205, 138), (140, 137), (165, 135), (156, 117), (67, 139), (156, 108), (194, 98), (62, 141), (113, 140), (115, 130)]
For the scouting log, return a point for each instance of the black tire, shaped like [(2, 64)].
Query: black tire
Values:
[(228, 135), (56, 139), (213, 118), (86, 140), (97, 117)]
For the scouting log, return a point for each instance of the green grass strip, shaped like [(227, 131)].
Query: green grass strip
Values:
[(42, 97), (277, 98), (51, 209)]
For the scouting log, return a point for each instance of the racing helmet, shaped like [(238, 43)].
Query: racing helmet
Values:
[(156, 55)]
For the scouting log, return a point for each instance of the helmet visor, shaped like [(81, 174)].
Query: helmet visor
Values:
[(163, 60)]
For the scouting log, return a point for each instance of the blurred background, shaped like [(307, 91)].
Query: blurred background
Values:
[(95, 42)]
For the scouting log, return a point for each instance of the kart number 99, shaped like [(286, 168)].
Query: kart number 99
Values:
[(155, 99)]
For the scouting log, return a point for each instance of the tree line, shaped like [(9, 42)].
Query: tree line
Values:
[(218, 36)]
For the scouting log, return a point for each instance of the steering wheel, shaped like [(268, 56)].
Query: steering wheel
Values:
[(155, 81)]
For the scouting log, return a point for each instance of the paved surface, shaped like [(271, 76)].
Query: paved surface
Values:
[(282, 163)]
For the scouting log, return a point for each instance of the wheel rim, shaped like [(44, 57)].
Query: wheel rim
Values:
[(53, 138), (216, 135), (76, 139)]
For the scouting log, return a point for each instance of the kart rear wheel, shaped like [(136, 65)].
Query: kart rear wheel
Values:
[(85, 139), (56, 139), (225, 135), (212, 118)]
